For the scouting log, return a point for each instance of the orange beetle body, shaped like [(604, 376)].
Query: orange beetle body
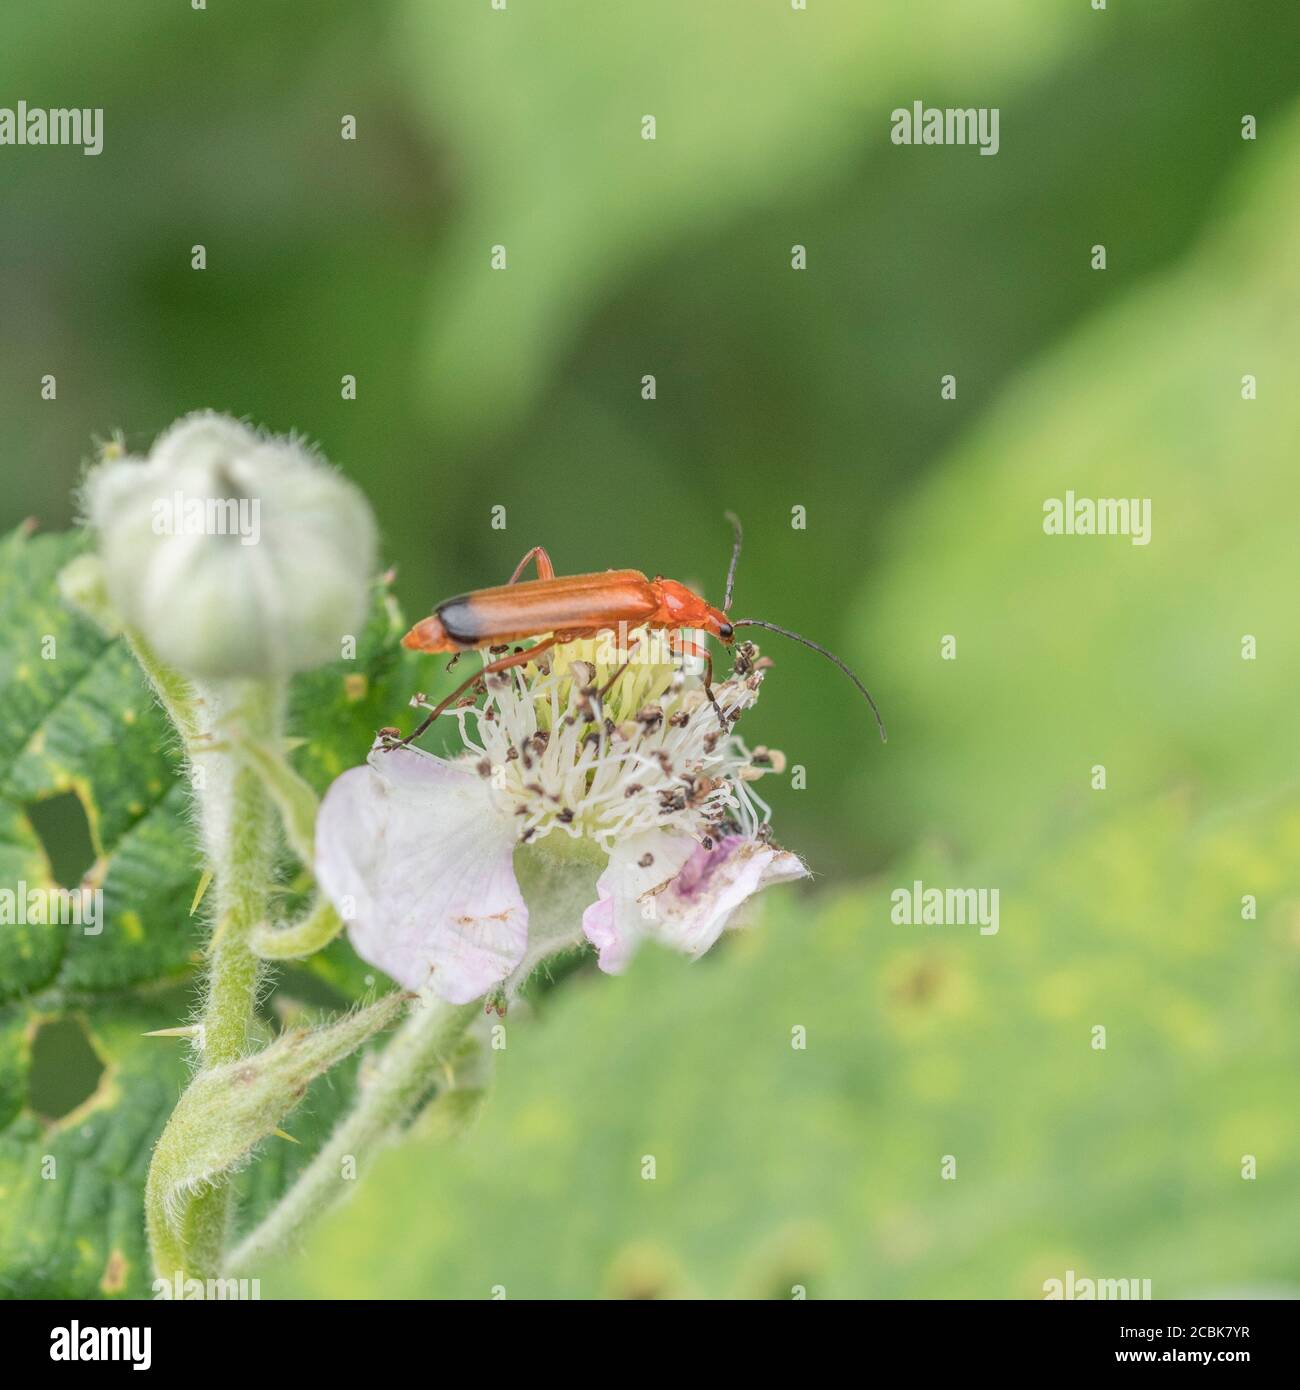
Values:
[(579, 603), (557, 610)]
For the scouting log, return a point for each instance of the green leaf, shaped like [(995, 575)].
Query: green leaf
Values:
[(1074, 651), (76, 716), (71, 1223)]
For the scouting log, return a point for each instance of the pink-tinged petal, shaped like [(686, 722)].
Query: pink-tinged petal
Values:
[(418, 859), (696, 907), (616, 921), (684, 897)]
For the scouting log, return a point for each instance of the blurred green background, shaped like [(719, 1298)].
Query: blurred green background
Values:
[(779, 389)]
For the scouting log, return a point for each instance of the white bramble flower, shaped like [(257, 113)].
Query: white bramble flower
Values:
[(233, 553), (593, 799)]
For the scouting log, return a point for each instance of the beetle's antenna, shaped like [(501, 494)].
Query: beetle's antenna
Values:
[(830, 656), (735, 555)]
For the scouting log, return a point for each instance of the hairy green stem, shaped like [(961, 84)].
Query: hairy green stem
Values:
[(239, 827), (402, 1078), (239, 834)]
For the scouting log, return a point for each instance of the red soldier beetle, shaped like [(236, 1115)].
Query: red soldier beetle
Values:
[(573, 607)]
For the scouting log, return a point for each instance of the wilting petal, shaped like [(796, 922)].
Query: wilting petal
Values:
[(698, 890), (695, 908), (639, 864), (424, 855)]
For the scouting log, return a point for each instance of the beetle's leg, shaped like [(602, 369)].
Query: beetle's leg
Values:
[(521, 658), (688, 648), (545, 570)]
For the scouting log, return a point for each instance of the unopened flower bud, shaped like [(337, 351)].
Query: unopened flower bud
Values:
[(232, 552)]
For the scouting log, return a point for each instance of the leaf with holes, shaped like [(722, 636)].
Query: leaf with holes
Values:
[(80, 731)]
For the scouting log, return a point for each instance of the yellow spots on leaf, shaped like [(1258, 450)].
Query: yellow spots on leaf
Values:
[(544, 1123), (95, 875), (128, 716), (904, 1233), (1061, 995), (356, 686), (131, 925), (1255, 1129), (1033, 1279), (935, 1078), (113, 1280), (1193, 1030), (136, 808), (644, 1270), (23, 673)]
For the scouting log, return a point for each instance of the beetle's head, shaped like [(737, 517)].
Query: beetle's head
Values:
[(681, 607)]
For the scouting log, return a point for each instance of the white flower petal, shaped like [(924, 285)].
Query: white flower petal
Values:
[(616, 922), (694, 910), (697, 891), (425, 856)]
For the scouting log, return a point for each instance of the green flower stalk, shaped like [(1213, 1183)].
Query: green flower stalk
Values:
[(230, 560)]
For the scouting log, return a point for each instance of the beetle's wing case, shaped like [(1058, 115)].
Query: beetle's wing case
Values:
[(574, 603)]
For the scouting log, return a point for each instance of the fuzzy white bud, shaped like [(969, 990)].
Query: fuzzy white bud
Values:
[(233, 553)]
